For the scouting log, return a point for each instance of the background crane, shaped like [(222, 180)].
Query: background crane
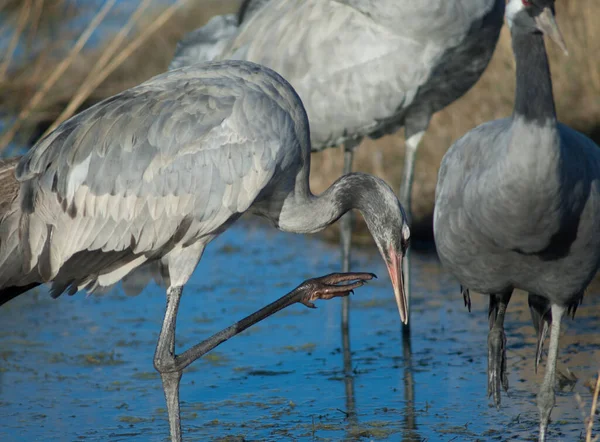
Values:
[(517, 205)]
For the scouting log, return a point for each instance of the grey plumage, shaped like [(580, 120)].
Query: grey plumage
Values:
[(518, 204), (208, 42), (365, 68), (361, 67), (148, 177)]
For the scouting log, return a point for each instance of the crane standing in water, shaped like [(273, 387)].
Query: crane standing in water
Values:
[(362, 68), (151, 175), (518, 205)]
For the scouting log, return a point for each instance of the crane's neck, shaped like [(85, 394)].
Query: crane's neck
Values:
[(303, 212), (534, 101)]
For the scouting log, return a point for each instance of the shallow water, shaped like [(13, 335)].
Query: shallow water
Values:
[(80, 368)]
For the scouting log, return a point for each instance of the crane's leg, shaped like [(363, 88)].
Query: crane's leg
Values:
[(171, 366), (165, 361), (497, 346), (545, 397), (541, 316), (413, 139), (347, 223)]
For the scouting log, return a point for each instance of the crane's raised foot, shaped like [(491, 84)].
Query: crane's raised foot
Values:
[(330, 286), (497, 364)]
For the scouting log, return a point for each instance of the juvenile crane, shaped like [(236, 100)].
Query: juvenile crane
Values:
[(518, 205), (361, 67), (151, 175)]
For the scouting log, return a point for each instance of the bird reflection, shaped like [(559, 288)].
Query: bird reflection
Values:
[(409, 429), (410, 420)]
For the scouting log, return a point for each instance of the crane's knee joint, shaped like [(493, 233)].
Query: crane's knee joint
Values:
[(165, 365)]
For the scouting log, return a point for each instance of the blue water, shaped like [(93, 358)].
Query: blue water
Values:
[(80, 368)]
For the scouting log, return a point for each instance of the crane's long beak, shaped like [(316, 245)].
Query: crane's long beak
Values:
[(394, 265), (547, 24)]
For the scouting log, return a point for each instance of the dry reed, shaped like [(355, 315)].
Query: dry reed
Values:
[(576, 85), (56, 74)]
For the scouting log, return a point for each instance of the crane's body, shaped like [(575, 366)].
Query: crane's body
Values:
[(150, 176), (155, 172), (365, 68), (361, 68), (518, 205)]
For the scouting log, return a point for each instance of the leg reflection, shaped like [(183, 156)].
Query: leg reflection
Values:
[(349, 380), (410, 433)]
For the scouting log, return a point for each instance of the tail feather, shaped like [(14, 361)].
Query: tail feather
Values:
[(9, 190), (205, 43)]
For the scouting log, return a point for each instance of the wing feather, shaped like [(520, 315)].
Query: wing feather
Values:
[(127, 175)]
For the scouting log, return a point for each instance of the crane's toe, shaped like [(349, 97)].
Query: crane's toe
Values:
[(331, 286), (497, 373)]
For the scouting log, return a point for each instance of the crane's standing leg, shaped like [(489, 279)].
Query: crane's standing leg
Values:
[(414, 130), (164, 361), (171, 366), (545, 397), (497, 346)]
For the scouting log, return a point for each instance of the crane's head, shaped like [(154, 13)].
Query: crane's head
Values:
[(387, 222), (534, 16)]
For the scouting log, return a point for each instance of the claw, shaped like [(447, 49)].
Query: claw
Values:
[(335, 278), (330, 286)]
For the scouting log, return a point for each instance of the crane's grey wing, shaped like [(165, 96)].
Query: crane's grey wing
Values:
[(434, 19), (205, 43), (208, 42), (351, 71), (466, 173), (163, 163)]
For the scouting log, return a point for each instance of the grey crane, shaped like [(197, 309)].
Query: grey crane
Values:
[(362, 68), (518, 205), (151, 175)]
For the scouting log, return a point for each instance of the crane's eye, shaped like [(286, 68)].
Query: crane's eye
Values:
[(405, 237)]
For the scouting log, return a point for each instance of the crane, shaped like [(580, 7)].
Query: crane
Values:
[(150, 176), (362, 68), (518, 205)]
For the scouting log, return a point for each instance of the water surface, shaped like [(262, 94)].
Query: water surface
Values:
[(80, 368)]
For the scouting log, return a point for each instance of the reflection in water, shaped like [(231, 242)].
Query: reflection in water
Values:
[(410, 420), (410, 433), (80, 368), (351, 416)]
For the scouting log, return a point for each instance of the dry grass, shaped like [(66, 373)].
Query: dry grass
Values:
[(594, 386), (143, 53), (576, 85)]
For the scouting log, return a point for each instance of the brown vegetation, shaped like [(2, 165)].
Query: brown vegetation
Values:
[(576, 86)]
